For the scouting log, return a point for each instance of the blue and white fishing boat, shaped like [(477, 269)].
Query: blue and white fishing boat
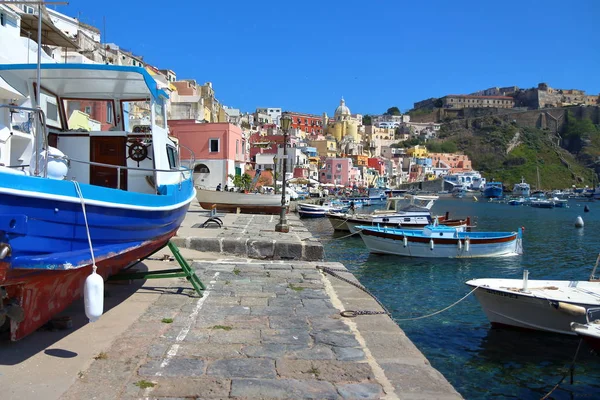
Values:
[(492, 190), (307, 210), (89, 180), (440, 241)]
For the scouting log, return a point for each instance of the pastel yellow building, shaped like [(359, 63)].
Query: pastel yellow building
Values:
[(417, 151), (325, 148), (342, 124)]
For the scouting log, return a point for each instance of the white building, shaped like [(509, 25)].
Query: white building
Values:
[(273, 112)]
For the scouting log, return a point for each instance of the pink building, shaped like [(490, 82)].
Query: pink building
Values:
[(219, 150), (377, 164), (336, 171), (456, 162)]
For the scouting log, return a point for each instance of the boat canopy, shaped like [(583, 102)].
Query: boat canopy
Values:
[(85, 81)]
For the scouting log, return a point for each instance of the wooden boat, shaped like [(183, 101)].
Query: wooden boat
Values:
[(107, 197), (246, 203), (441, 242)]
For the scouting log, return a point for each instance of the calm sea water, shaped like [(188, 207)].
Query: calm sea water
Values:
[(482, 362)]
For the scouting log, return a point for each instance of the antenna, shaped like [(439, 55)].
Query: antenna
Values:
[(104, 30)]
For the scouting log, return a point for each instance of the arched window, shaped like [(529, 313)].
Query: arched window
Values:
[(202, 169)]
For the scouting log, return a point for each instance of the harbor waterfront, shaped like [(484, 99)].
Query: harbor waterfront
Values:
[(482, 362)]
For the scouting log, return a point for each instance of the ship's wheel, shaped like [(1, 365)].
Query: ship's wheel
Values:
[(138, 151)]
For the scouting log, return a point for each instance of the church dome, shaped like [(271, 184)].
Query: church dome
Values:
[(342, 109)]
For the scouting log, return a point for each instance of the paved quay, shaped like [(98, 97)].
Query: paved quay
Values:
[(248, 235), (264, 329)]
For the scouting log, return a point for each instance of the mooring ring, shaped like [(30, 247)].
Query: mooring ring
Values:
[(348, 314)]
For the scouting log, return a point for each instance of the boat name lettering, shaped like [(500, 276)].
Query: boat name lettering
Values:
[(499, 293)]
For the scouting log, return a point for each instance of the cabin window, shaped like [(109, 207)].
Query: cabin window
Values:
[(89, 114), (49, 105), (172, 156), (159, 114), (2, 20), (214, 145), (136, 116)]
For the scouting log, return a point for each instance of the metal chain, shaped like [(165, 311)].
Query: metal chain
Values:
[(352, 313)]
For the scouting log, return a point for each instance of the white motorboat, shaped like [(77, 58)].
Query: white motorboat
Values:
[(408, 211), (521, 189), (440, 242), (246, 203), (307, 210), (544, 305)]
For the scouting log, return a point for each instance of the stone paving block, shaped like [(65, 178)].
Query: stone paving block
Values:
[(196, 336), (330, 371), (317, 303), (313, 294), (271, 350), (241, 336), (255, 293), (209, 320), (318, 352), (211, 245), (285, 336), (335, 339), (313, 251), (176, 367), (261, 249), (279, 266), (334, 323), (237, 246), (254, 301), (230, 310), (209, 350), (158, 350), (285, 301), (243, 368), (272, 311), (282, 389), (246, 322), (327, 310), (146, 329), (369, 391), (276, 322), (349, 353), (221, 301), (206, 387)]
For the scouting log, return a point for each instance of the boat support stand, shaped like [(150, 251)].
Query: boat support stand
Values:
[(184, 272)]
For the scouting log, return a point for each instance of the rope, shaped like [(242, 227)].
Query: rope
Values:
[(352, 313), (440, 311), (571, 370), (87, 228)]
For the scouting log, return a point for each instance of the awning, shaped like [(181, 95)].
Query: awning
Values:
[(51, 35), (8, 92)]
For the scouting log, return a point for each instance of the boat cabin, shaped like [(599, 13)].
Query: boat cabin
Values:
[(105, 125)]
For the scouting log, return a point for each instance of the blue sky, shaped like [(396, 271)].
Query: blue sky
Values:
[(304, 55)]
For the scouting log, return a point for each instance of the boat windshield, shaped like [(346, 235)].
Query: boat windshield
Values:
[(90, 114)]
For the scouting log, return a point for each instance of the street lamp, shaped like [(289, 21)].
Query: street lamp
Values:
[(283, 226)]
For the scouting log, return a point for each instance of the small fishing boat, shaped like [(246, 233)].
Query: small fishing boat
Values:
[(541, 203), (246, 203), (306, 210), (518, 201), (560, 203), (440, 241), (78, 196), (590, 331)]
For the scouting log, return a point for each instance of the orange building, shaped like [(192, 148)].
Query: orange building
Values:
[(456, 162), (308, 123)]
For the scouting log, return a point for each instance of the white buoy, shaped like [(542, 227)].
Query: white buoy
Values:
[(405, 240), (579, 222), (467, 244), (431, 245), (459, 245), (93, 296)]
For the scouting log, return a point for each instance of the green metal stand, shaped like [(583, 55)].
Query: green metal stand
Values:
[(185, 272)]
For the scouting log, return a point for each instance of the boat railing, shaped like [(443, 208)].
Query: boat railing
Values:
[(182, 170), (593, 277), (192, 159), (41, 119)]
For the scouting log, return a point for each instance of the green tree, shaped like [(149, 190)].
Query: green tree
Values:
[(576, 131), (241, 181), (449, 147), (434, 146), (367, 120), (438, 103), (393, 111)]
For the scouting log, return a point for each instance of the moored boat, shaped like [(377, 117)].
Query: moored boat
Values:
[(492, 190), (521, 189), (441, 242), (307, 210), (100, 197), (246, 203)]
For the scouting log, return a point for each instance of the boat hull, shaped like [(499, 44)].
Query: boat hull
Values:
[(548, 306), (43, 224), (381, 242), (590, 333), (245, 203)]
